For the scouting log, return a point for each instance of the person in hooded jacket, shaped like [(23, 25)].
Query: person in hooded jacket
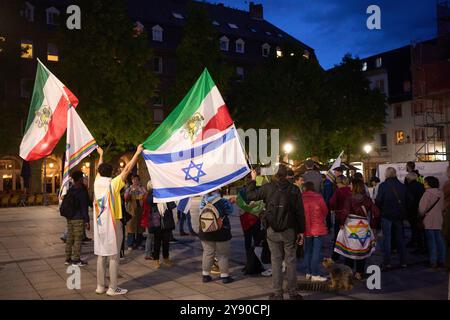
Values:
[(217, 243), (431, 209)]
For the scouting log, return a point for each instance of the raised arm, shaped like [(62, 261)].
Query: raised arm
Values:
[(253, 193), (130, 165)]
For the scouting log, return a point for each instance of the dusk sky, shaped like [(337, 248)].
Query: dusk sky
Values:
[(336, 27)]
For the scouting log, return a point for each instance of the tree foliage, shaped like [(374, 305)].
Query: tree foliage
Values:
[(322, 112), (198, 49), (108, 66)]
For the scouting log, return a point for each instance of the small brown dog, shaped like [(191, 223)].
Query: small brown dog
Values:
[(341, 275)]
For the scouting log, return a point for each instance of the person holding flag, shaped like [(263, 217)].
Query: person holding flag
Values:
[(108, 231)]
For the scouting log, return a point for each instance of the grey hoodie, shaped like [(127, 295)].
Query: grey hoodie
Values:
[(434, 218)]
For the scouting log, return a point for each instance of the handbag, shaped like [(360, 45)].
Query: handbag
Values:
[(420, 224)]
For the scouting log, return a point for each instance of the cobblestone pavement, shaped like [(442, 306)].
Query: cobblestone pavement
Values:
[(32, 267)]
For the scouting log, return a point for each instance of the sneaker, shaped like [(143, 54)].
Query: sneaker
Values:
[(295, 296), (68, 262), (206, 279), (117, 292), (100, 290), (167, 262), (79, 263), (308, 277), (318, 279), (275, 296), (226, 280), (267, 273), (156, 264)]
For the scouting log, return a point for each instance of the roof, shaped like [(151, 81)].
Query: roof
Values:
[(162, 12)]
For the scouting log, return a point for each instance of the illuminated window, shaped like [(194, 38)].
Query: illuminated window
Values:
[(400, 137), (52, 16), (157, 33), (158, 65), (306, 54), (279, 53), (2, 44), (240, 46), (224, 43), (52, 52), (26, 47), (265, 50), (364, 66)]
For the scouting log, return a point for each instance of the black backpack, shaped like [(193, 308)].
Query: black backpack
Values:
[(277, 214), (70, 204)]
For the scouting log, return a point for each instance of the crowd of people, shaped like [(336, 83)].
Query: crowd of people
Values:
[(287, 217)]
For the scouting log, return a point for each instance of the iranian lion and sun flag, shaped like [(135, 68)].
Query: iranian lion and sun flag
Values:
[(194, 151)]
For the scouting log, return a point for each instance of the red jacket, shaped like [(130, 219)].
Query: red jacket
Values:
[(248, 220), (146, 210), (337, 202), (354, 206), (316, 212)]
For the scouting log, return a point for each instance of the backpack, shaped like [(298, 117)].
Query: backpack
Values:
[(277, 214), (70, 204), (209, 219)]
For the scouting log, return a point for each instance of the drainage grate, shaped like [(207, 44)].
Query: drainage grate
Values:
[(314, 286)]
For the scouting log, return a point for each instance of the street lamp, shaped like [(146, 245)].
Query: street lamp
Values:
[(367, 149), (288, 147)]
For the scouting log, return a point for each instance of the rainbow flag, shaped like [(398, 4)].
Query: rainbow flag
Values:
[(80, 143)]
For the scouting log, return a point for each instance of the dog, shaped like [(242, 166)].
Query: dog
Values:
[(341, 275)]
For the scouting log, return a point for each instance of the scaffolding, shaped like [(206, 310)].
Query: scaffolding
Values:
[(430, 91)]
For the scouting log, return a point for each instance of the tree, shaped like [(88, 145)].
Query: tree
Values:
[(107, 64), (198, 49)]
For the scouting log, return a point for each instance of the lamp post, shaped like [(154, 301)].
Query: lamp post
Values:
[(287, 148), (368, 149)]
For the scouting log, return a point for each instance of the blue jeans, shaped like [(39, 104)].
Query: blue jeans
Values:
[(183, 218), (386, 226), (313, 246), (436, 246)]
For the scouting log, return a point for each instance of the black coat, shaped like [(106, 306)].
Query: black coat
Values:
[(82, 197), (269, 194), (414, 192), (392, 204)]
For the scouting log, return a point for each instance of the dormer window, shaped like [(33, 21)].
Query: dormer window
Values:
[(364, 66), (224, 43), (28, 12), (215, 23), (178, 15), (306, 54), (379, 62), (279, 52), (265, 50), (52, 16), (240, 46), (233, 26), (157, 33)]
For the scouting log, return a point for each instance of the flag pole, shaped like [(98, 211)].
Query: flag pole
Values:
[(45, 182)]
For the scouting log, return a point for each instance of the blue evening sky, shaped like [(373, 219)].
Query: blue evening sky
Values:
[(336, 27)]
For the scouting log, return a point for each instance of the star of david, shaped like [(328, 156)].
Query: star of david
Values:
[(189, 176), (354, 229)]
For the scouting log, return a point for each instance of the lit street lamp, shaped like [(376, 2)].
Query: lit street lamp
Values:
[(368, 149), (287, 148)]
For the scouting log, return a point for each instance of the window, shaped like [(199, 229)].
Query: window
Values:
[(177, 15), (383, 141), (240, 46), (306, 54), (379, 62), (407, 86), (253, 30), (28, 12), (418, 107), (233, 26), (26, 47), (158, 65), (379, 84), (364, 66), (52, 52), (398, 110), (419, 135), (400, 137), (279, 53), (52, 16), (215, 23), (265, 50), (2, 44), (240, 73), (157, 101), (157, 33), (25, 88), (158, 115), (440, 133), (224, 43)]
